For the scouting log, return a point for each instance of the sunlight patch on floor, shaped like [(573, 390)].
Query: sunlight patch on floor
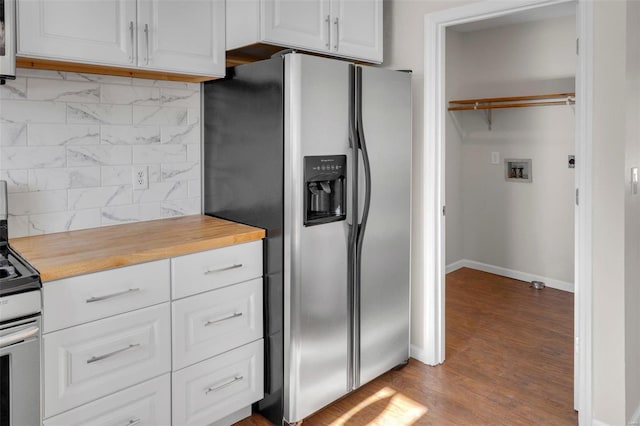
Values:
[(399, 410)]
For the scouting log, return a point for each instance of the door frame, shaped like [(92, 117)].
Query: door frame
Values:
[(435, 111)]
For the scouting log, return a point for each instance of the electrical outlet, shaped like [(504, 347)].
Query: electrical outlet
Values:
[(495, 158), (140, 177)]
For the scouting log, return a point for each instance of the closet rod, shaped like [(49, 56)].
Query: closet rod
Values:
[(514, 105), (514, 98)]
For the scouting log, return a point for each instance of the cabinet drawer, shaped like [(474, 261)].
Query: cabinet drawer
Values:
[(148, 403), (89, 361), (200, 272), (76, 300), (215, 322), (215, 388)]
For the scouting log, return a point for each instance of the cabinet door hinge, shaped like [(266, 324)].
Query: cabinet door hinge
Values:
[(444, 210), (577, 197)]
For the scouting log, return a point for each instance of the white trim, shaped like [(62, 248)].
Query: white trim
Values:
[(454, 266), (583, 227), (510, 273), (433, 184), (635, 418), (418, 354)]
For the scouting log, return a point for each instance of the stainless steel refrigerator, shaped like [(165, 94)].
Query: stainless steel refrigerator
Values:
[(318, 152)]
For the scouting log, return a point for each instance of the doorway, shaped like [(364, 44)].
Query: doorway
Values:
[(435, 180)]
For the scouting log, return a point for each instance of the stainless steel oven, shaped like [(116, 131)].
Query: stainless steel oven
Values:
[(20, 310), (20, 372), (7, 40)]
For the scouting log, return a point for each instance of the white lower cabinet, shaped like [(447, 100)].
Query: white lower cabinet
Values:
[(110, 337), (215, 322), (219, 386), (146, 404), (89, 361)]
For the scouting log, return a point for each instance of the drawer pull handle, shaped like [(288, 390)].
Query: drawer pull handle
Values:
[(111, 296), (234, 315), (133, 422), (224, 385), (224, 268), (110, 354)]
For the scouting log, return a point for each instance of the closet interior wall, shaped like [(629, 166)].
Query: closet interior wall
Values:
[(516, 226)]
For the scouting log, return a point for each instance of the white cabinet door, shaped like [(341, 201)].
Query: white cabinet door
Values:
[(182, 36), (208, 270), (215, 322), (97, 31), (92, 360), (146, 404), (101, 294), (296, 23), (212, 389), (357, 29)]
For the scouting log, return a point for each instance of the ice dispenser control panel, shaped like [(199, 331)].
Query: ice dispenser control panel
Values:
[(325, 189)]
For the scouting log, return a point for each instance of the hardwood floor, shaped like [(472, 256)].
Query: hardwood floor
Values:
[(509, 361)]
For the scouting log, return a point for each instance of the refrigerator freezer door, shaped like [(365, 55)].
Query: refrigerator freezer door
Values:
[(316, 295), (385, 259)]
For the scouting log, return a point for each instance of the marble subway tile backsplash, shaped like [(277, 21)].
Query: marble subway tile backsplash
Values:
[(69, 143)]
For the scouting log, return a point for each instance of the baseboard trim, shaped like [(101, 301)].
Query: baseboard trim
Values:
[(419, 355), (635, 419), (510, 273)]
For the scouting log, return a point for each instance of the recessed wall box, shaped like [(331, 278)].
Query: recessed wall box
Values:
[(517, 170)]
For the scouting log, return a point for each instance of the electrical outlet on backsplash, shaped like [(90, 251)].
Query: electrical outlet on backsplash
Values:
[(70, 144)]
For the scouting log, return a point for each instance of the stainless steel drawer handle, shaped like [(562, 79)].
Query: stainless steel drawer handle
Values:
[(110, 296), (132, 41), (234, 315), (110, 354), (328, 21), (224, 268), (133, 422), (146, 36), (13, 338), (224, 385)]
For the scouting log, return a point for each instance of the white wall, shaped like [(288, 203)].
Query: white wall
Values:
[(609, 178), (404, 49), (455, 70), (68, 143), (526, 227)]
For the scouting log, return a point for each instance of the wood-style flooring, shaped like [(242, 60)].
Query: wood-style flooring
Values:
[(509, 361)]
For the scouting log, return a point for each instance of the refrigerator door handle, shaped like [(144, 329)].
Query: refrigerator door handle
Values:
[(362, 225), (352, 219)]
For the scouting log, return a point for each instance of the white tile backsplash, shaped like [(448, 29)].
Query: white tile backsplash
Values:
[(13, 134), (68, 143), (158, 116), (63, 134), (63, 91), (99, 113)]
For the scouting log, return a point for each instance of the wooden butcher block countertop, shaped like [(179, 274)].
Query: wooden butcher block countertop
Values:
[(71, 253)]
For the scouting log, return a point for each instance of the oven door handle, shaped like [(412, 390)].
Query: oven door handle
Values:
[(18, 336)]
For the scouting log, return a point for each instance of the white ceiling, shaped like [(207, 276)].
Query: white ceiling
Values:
[(537, 14)]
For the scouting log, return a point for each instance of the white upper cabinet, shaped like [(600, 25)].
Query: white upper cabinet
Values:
[(87, 31), (180, 36), (357, 29), (345, 28), (296, 23)]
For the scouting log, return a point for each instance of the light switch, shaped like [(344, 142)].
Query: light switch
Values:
[(495, 158), (634, 181)]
